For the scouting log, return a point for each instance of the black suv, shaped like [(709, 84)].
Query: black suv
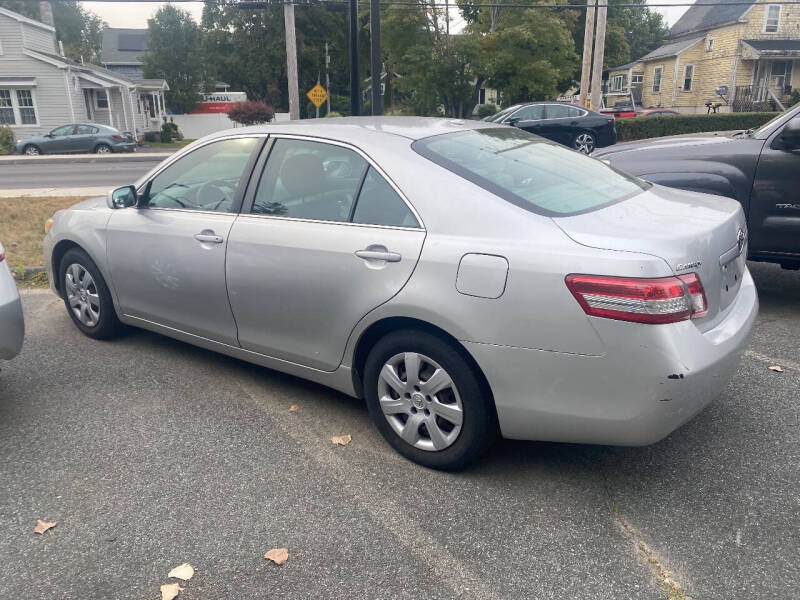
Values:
[(574, 126), (759, 168)]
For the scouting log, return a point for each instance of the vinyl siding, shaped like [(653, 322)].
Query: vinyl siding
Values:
[(39, 39)]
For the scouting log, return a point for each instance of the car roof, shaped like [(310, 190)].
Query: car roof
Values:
[(367, 129)]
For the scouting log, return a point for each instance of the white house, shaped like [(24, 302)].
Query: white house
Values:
[(41, 89)]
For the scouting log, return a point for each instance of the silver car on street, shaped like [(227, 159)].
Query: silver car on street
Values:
[(12, 325), (467, 279)]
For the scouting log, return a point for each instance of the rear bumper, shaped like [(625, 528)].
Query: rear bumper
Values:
[(651, 380), (124, 147), (12, 325)]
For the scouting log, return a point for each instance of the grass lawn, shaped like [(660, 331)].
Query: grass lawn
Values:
[(22, 226), (163, 145)]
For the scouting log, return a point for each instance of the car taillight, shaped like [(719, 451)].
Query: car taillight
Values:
[(657, 300), (117, 136), (2, 256)]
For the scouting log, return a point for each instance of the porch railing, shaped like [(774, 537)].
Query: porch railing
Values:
[(747, 98)]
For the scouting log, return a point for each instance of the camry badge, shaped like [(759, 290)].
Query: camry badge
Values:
[(741, 238), (691, 265)]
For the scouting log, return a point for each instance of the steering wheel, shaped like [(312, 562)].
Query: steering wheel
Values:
[(219, 188)]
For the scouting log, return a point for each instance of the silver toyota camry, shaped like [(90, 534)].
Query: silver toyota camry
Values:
[(466, 279)]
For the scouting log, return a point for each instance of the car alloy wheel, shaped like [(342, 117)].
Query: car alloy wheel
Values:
[(420, 401), (32, 151), (584, 143), (103, 149), (82, 295)]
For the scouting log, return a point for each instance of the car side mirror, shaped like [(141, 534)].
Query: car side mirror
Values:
[(790, 136), (122, 197), (49, 134), (513, 120)]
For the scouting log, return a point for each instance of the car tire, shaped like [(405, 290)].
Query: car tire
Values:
[(102, 149), (32, 150), (87, 299), (584, 142), (404, 415)]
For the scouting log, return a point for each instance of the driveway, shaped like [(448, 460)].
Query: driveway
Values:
[(150, 453)]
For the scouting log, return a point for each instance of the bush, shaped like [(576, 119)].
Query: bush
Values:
[(333, 114), (648, 127), (6, 140), (151, 136), (169, 132), (251, 112), (486, 110)]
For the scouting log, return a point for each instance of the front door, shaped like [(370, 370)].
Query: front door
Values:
[(167, 256), (325, 240), (84, 137), (61, 140), (774, 214), (562, 122), (530, 118)]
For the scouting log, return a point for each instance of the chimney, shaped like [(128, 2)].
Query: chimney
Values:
[(46, 13)]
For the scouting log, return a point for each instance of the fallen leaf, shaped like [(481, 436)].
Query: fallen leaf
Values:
[(278, 555), (184, 571), (293, 408), (341, 440), (776, 368), (170, 590), (42, 526)]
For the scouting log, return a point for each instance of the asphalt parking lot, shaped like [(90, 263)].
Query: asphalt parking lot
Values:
[(150, 453)]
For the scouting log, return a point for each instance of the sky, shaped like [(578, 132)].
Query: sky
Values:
[(134, 15)]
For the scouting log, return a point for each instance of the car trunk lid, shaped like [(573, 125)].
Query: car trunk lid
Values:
[(692, 233)]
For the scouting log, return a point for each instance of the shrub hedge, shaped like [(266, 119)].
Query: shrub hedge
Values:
[(6, 140), (658, 126)]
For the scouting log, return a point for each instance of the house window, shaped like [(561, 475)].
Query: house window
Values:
[(657, 79), (772, 18), (101, 98), (709, 44), (616, 83), (17, 107), (6, 108), (636, 78), (781, 75), (688, 75), (27, 111)]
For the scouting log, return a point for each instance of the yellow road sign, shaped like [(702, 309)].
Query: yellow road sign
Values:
[(317, 95)]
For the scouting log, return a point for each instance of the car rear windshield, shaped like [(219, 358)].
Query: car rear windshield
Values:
[(526, 170)]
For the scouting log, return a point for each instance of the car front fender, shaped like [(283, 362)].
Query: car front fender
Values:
[(707, 183)]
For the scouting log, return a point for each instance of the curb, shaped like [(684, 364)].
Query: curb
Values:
[(53, 159), (33, 275), (50, 192)]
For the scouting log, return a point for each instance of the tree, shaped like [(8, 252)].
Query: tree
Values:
[(80, 30), (175, 53)]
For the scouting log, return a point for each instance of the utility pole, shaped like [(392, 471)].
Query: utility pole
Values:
[(586, 67), (291, 60), (375, 55), (355, 88), (599, 51), (327, 79)]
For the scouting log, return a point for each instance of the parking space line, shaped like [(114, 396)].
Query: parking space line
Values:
[(786, 364)]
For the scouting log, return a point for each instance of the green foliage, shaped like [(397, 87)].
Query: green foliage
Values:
[(151, 136), (174, 53), (169, 132), (251, 112), (658, 126), (332, 114), (80, 30), (794, 98), (486, 110), (6, 140)]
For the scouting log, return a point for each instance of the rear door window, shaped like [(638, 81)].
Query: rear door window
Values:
[(379, 204), (532, 173)]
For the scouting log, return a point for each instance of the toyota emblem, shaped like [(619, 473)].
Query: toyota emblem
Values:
[(740, 240)]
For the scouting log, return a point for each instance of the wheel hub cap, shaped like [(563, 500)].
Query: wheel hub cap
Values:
[(83, 296), (420, 401)]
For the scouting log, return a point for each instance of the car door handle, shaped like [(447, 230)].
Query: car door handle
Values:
[(378, 255), (208, 238)]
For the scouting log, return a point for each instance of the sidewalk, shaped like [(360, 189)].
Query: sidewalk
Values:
[(48, 159)]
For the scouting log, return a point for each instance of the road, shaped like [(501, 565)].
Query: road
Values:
[(72, 175), (150, 453)]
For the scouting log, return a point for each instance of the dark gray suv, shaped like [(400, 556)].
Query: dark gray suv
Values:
[(78, 137)]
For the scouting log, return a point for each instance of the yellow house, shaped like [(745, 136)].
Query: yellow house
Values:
[(744, 56)]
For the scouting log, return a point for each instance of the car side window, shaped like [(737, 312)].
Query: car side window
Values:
[(534, 112), (562, 111), (379, 204), (63, 130), (309, 180), (85, 129), (205, 179)]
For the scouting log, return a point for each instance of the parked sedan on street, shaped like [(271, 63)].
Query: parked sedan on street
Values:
[(78, 137), (573, 126), (758, 167), (12, 325), (465, 278)]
